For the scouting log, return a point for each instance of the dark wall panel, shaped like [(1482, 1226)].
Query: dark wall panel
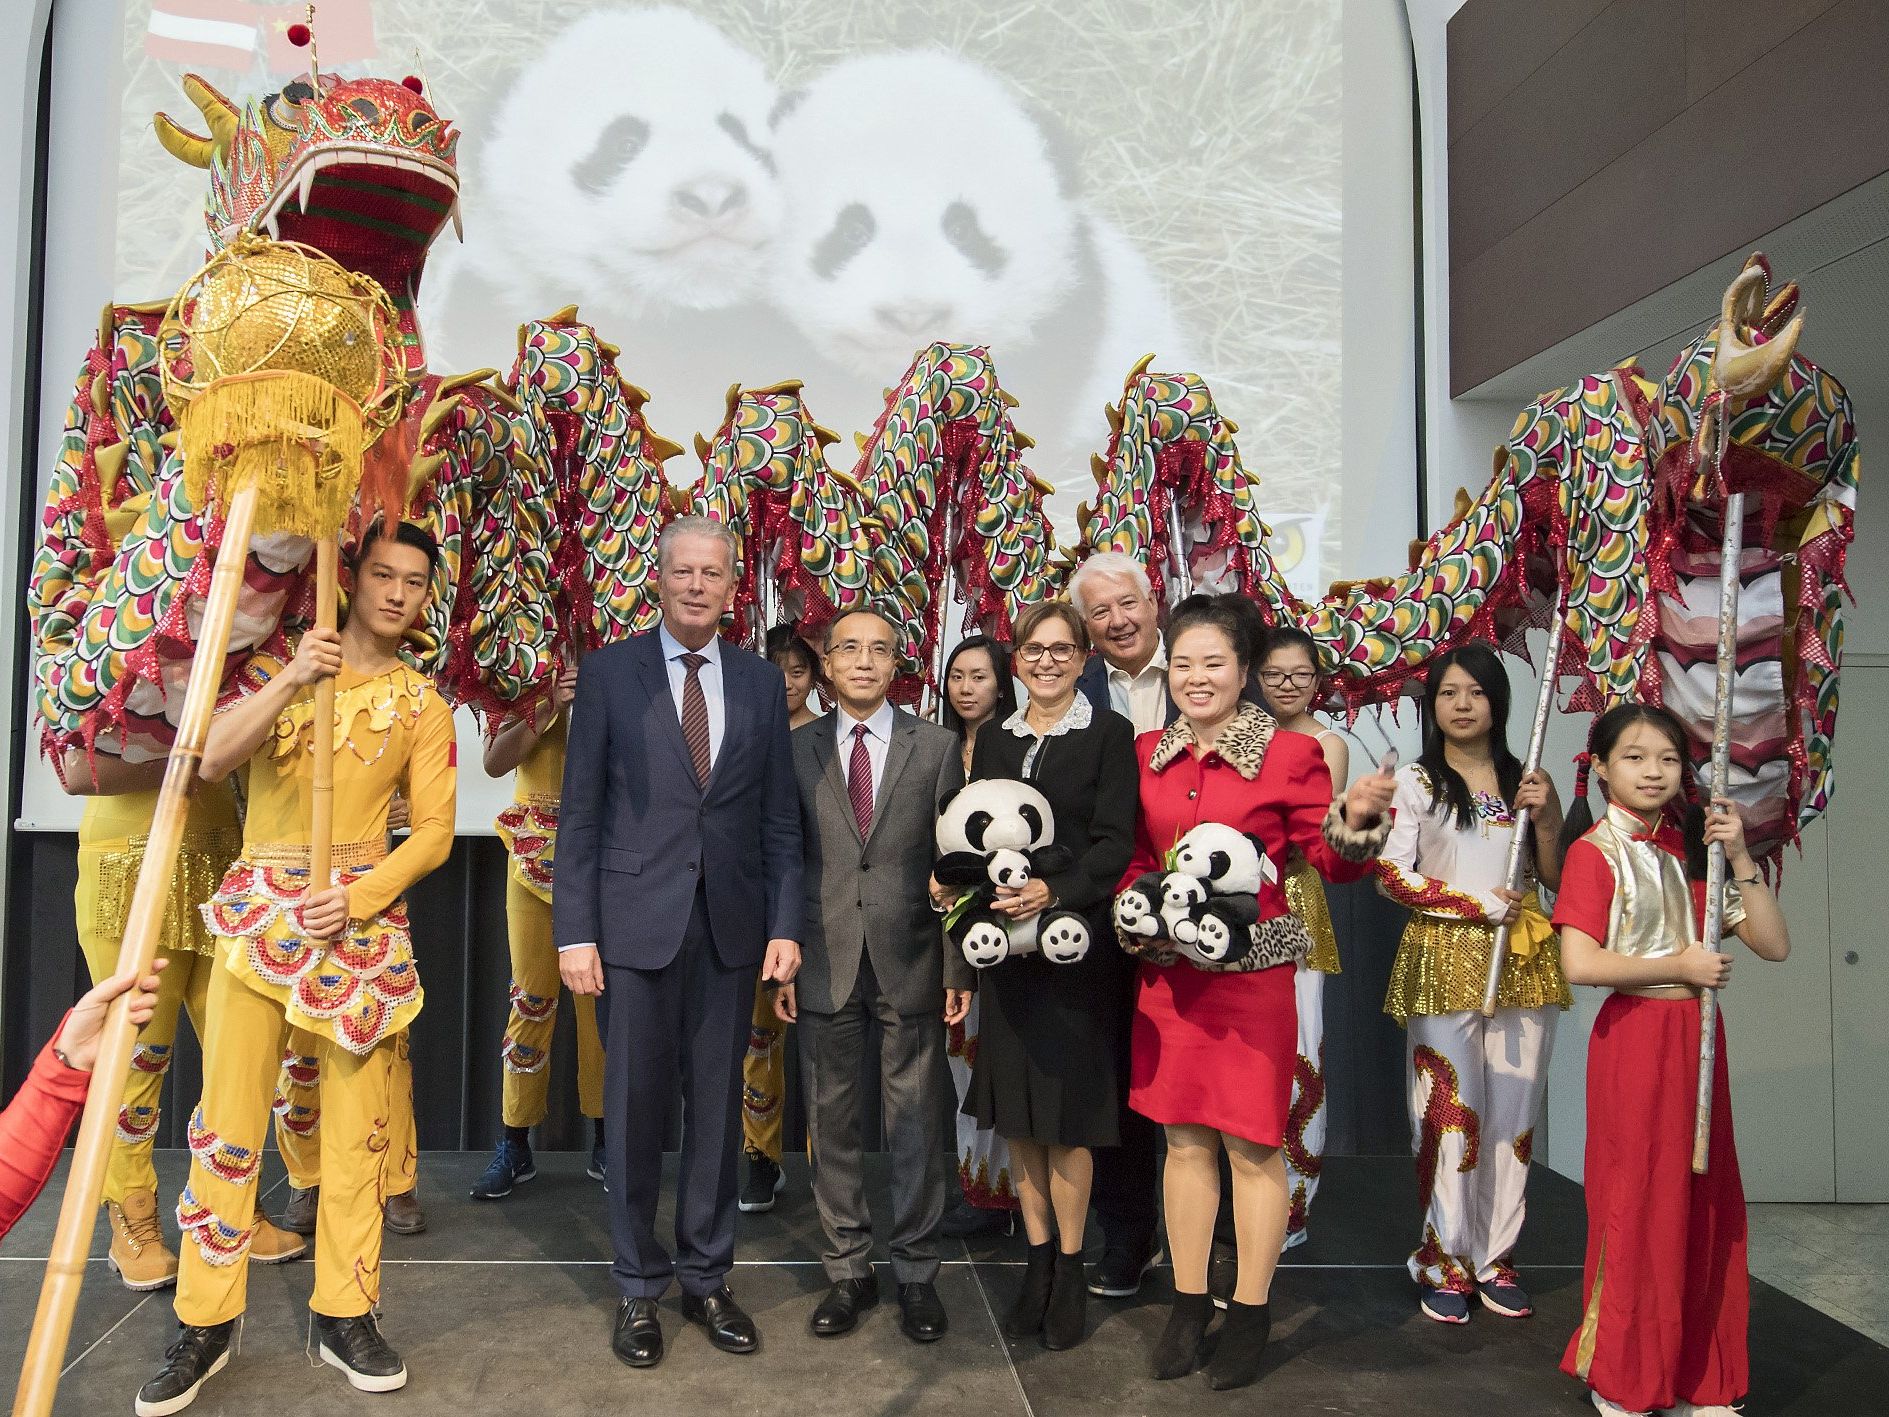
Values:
[(458, 916), (1661, 136)]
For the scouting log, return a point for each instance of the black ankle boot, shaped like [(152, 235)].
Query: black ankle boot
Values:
[(1026, 1315), (1242, 1342), (1178, 1352), (1066, 1321)]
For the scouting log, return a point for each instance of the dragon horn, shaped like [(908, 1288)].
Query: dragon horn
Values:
[(1099, 466), (181, 143), (701, 449), (1741, 369), (1141, 367), (1781, 307), (734, 401), (218, 112)]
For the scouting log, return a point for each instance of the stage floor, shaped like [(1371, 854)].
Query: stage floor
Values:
[(507, 1306)]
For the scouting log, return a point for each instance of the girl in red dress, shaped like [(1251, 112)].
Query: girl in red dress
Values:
[(1665, 1290), (1213, 1048)]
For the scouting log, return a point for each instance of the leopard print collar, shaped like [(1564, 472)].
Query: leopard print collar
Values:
[(1242, 743)]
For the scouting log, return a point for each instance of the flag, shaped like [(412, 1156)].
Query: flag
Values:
[(344, 34), (204, 34)]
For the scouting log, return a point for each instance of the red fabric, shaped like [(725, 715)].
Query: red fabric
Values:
[(1215, 1050), (1587, 891), (1284, 807), (1675, 1293), (33, 1129)]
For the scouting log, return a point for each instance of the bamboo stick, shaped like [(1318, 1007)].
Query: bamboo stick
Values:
[(65, 1270), (321, 828), (1518, 848), (1730, 550)]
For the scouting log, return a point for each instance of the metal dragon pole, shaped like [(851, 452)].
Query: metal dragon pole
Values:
[(1182, 574), (946, 593), (1518, 848), (65, 1269), (1730, 548)]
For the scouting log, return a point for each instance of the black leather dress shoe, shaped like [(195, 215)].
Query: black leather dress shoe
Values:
[(921, 1313), (729, 1328), (844, 1302), (637, 1339)]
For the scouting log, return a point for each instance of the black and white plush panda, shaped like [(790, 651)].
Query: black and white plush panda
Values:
[(1001, 832), (1207, 904), (925, 199)]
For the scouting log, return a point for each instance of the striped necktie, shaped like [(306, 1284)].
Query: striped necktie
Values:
[(695, 716), (859, 781)]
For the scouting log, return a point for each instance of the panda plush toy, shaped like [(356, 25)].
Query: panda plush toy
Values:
[(1001, 832), (1208, 902)]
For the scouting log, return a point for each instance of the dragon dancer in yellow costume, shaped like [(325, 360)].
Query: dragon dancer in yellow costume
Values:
[(335, 962), (121, 798), (533, 746)]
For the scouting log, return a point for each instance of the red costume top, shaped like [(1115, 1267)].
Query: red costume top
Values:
[(33, 1129)]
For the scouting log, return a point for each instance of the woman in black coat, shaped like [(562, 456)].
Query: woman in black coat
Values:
[(1045, 1074)]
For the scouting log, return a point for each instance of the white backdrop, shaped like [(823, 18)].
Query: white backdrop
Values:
[(1233, 192)]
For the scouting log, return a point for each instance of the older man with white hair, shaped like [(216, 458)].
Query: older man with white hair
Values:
[(1129, 676)]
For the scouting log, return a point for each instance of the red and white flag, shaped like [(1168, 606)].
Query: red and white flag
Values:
[(204, 34), (230, 34)]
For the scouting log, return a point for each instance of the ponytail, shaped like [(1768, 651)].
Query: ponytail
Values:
[(1580, 816)]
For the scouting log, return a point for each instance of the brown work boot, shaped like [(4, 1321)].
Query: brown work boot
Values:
[(138, 1252), (403, 1215), (271, 1244), (299, 1214)]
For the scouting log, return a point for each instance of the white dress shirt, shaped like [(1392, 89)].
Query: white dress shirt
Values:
[(1142, 699), (878, 742), (711, 680)]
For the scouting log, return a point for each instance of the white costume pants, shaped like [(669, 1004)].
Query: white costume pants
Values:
[(1475, 1092), (983, 1158), (1305, 1122)]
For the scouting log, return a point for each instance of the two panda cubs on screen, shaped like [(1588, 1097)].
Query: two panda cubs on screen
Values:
[(725, 228), (999, 832)]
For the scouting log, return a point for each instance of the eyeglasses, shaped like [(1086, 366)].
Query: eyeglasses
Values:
[(1058, 654), (1297, 678), (878, 651)]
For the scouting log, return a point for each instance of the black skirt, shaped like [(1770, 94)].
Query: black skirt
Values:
[(1051, 1047)]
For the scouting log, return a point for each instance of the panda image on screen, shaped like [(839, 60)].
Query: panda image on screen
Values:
[(627, 171), (1001, 832), (925, 200), (1207, 902)]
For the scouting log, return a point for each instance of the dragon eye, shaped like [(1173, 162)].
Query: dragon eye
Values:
[(366, 108)]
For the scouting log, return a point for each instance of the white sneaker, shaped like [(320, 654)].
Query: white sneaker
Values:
[(1613, 1409), (1686, 1409)]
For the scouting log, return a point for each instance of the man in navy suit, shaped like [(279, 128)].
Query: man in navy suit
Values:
[(678, 877)]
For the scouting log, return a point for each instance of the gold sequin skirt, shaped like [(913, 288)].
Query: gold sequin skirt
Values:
[(1305, 894), (1442, 966), (202, 859)]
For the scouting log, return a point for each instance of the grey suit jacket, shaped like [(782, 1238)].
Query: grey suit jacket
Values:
[(869, 896)]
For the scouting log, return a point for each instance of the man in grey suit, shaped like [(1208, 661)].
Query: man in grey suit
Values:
[(678, 880), (870, 779)]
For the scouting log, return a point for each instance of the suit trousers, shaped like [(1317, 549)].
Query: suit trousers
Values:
[(913, 1102), (687, 1021), (1128, 1176)]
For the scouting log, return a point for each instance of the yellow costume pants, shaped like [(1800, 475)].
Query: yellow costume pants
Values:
[(298, 1113), (217, 1212), (526, 1049), (182, 985), (764, 1080)]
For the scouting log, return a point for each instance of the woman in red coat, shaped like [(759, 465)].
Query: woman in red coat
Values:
[(34, 1125), (1214, 1046)]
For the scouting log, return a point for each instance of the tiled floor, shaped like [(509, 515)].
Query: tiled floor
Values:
[(1833, 1257)]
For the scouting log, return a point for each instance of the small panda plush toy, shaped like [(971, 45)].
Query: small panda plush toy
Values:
[(1208, 902), (1001, 832)]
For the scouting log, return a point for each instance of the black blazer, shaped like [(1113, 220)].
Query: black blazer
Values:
[(637, 834)]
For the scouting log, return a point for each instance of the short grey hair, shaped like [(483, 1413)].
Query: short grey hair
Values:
[(1108, 563), (680, 527), (871, 608)]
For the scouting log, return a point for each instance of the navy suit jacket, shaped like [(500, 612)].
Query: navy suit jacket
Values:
[(637, 834)]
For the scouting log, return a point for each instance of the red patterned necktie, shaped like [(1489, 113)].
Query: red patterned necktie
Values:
[(695, 716), (859, 782)]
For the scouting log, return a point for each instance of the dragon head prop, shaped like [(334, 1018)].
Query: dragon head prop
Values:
[(363, 170)]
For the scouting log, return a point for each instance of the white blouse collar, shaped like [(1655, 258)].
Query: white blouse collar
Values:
[(1077, 716)]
